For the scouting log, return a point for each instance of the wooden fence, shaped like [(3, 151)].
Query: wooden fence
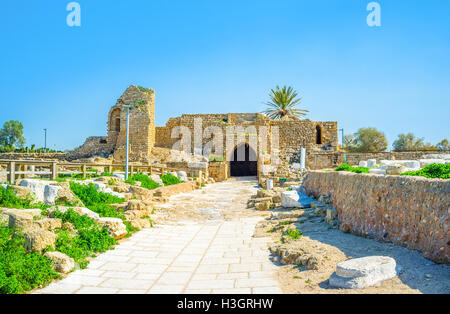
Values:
[(17, 169)]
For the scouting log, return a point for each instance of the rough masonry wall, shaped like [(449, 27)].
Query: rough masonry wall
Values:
[(409, 211), (142, 124), (293, 134)]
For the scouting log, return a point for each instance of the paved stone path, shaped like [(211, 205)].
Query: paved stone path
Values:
[(216, 256)]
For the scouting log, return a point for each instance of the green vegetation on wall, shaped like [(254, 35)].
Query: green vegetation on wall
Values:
[(434, 171), (349, 168)]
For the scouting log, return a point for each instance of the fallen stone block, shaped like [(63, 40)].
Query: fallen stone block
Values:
[(264, 206), (116, 227), (37, 239), (139, 205), (20, 220), (22, 192), (395, 169), (68, 197), (49, 224), (287, 214), (141, 223), (61, 262), (363, 272), (371, 163), (294, 199)]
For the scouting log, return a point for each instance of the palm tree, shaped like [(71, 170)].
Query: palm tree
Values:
[(282, 104)]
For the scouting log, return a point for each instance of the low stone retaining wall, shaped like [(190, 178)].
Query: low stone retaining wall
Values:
[(409, 211), (174, 189), (33, 156)]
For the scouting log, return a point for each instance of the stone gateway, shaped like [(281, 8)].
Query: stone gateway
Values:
[(283, 138)]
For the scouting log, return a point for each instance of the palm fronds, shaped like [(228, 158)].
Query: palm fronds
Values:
[(283, 103)]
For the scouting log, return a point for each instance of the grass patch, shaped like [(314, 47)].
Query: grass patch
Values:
[(9, 199), (433, 171), (345, 167), (89, 195), (146, 181), (91, 237), (21, 271), (293, 234), (100, 203), (170, 179)]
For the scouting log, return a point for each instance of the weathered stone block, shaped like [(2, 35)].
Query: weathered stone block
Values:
[(294, 199), (20, 220), (363, 272), (116, 226), (37, 239), (49, 224), (61, 262)]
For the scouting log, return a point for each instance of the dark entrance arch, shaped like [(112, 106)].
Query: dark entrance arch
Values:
[(244, 166)]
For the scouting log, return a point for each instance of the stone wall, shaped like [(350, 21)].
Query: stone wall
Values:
[(219, 171), (33, 156), (141, 121), (330, 159), (93, 146), (409, 211), (142, 129)]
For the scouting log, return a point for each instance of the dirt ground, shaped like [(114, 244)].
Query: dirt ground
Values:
[(415, 273)]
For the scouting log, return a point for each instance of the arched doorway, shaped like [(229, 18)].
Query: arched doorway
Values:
[(114, 120), (244, 163)]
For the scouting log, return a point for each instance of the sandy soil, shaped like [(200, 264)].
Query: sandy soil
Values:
[(415, 273)]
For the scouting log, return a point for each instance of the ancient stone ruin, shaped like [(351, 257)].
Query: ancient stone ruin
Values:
[(284, 137)]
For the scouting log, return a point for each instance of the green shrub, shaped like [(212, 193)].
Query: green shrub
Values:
[(89, 195), (433, 171), (99, 202), (293, 234), (170, 179), (9, 199), (91, 237), (345, 167), (146, 181), (21, 271)]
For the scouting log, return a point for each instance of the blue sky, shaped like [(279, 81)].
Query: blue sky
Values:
[(211, 56)]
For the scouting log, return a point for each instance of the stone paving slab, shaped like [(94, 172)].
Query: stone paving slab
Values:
[(215, 257)]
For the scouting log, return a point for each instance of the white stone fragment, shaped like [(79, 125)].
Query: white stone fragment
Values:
[(371, 163), (363, 272), (295, 199)]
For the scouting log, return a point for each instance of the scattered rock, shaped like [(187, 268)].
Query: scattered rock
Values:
[(61, 262)]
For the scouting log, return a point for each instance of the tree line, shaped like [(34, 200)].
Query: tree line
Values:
[(12, 140), (373, 140)]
